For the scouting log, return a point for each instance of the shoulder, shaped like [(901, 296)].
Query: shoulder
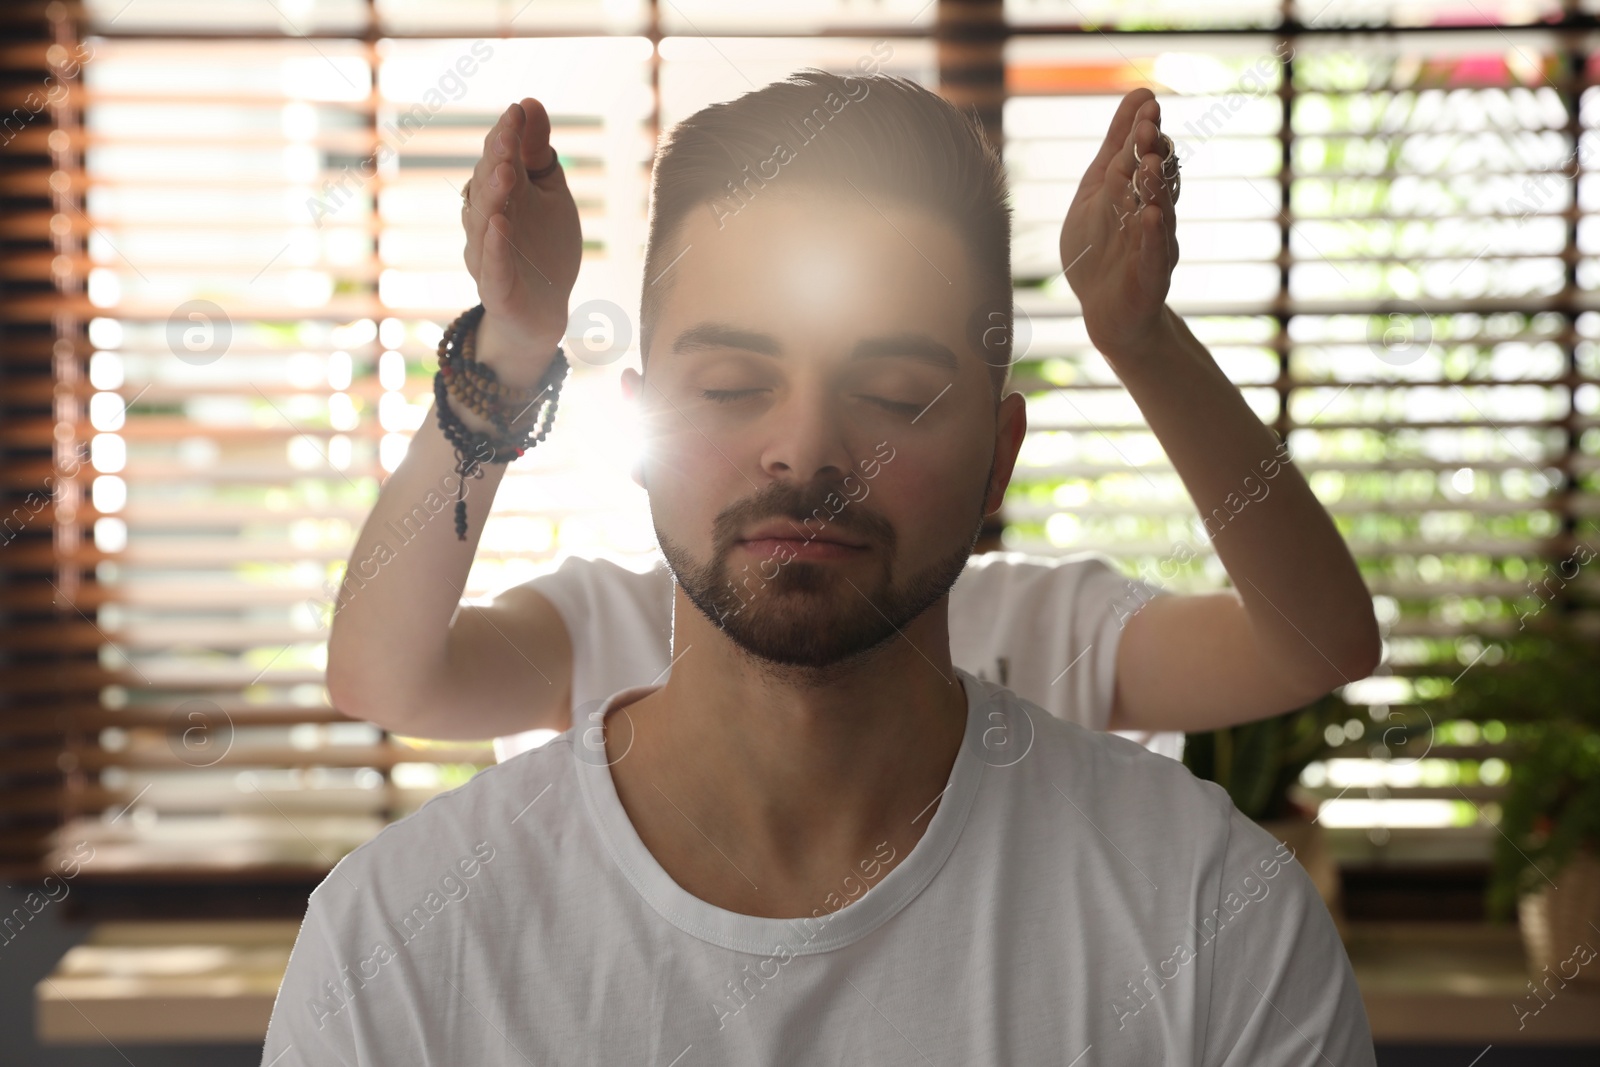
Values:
[(454, 835), (582, 585), (1110, 779), (1022, 565), (1084, 589), (1019, 574), (397, 905), (600, 572)]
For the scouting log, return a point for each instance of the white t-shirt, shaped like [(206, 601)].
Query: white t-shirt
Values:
[(1046, 629), (1074, 899)]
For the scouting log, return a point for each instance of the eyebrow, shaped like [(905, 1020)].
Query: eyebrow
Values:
[(721, 335), (912, 345), (917, 346)]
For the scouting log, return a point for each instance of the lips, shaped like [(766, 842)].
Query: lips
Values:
[(795, 530)]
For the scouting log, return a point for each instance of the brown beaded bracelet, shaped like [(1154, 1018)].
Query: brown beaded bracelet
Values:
[(472, 397), (475, 385), (485, 377)]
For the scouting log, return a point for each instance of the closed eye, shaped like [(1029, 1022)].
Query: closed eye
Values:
[(897, 406), (727, 396)]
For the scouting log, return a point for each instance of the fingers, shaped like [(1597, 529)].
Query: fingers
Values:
[(1155, 176), (1120, 176), (484, 199), (509, 181), (1121, 126), (1143, 136), (1141, 195), (1146, 176), (1157, 224), (1142, 173), (496, 271), (1157, 248), (494, 177), (537, 151), (506, 147), (494, 180), (508, 177)]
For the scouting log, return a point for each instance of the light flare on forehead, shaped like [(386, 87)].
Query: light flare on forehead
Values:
[(816, 275)]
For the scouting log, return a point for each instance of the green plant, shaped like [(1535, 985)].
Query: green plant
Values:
[(1547, 692), (1257, 762)]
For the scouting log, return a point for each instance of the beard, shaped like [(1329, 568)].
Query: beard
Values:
[(810, 616)]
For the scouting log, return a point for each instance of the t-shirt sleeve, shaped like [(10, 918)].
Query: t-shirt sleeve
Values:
[(620, 622), (1047, 629), (1282, 992), (1106, 600)]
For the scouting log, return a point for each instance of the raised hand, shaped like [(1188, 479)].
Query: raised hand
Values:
[(524, 244), (1119, 255)]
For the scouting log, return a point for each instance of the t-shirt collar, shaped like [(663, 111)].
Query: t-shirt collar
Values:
[(825, 930)]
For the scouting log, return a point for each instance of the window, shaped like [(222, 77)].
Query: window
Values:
[(1385, 244), (236, 243), (258, 219)]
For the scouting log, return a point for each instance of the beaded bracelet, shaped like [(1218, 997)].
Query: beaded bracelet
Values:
[(481, 375), (475, 383), (481, 403)]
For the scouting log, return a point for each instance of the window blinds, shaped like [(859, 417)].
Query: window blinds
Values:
[(232, 242)]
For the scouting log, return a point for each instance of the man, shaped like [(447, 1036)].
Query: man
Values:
[(819, 841), (552, 649)]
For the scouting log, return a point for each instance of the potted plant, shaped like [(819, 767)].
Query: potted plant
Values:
[(1260, 762), (1546, 864)]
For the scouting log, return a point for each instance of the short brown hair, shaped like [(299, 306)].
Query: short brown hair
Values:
[(878, 134)]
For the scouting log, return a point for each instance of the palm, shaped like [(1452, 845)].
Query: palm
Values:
[(1119, 258), (524, 241)]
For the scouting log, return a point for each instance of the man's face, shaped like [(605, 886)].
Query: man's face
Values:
[(821, 436)]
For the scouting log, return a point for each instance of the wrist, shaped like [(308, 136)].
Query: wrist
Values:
[(520, 354), (1157, 342)]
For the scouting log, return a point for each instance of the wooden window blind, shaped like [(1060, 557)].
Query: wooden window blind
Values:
[(220, 305), (40, 249), (264, 203), (267, 215)]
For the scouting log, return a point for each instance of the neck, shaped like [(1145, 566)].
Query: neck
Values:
[(792, 773)]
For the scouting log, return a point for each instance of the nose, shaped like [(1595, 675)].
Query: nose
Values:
[(807, 440)]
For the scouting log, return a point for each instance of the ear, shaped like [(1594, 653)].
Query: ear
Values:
[(632, 388), (1011, 426)]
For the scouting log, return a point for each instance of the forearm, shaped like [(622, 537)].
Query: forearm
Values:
[(1308, 607), (401, 651), (394, 653), (404, 580)]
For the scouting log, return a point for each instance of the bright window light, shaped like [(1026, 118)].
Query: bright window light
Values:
[(109, 493), (1361, 813), (108, 453)]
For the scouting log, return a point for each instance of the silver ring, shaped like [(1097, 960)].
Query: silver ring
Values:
[(1170, 171)]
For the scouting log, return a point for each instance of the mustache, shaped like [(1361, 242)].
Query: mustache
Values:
[(807, 506)]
